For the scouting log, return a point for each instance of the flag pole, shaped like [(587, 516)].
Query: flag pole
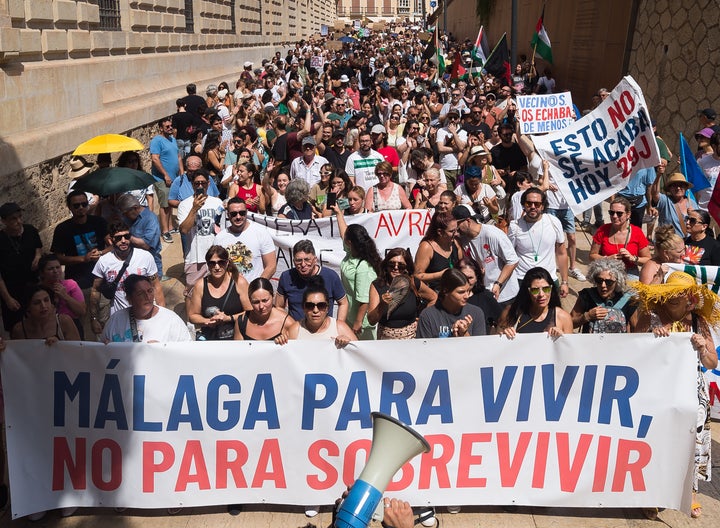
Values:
[(532, 62)]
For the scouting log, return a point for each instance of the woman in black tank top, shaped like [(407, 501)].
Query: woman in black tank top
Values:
[(536, 308), (218, 298), (263, 322)]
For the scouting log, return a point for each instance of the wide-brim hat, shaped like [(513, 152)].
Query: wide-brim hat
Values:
[(477, 151), (677, 177), (79, 167), (678, 284)]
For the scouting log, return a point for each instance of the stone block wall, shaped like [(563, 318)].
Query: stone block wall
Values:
[(675, 57)]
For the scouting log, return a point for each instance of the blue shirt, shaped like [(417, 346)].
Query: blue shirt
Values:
[(147, 227), (168, 151), (292, 286), (638, 184), (182, 188)]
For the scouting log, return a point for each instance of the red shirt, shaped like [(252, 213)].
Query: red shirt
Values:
[(634, 243)]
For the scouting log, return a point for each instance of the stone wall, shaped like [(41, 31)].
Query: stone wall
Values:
[(675, 57), (65, 78)]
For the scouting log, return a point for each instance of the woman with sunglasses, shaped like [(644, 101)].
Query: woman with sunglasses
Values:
[(452, 315), (620, 239), (701, 248), (396, 297), (263, 322), (318, 192), (595, 310), (223, 295), (340, 185), (669, 249), (438, 250), (386, 195), (536, 308), (317, 324)]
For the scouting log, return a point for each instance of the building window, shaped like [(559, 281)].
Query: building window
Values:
[(109, 14), (189, 22), (403, 6)]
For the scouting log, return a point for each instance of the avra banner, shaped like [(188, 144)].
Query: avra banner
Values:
[(584, 420), (594, 157), (540, 114)]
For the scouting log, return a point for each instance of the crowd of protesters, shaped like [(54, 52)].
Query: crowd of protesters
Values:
[(371, 126)]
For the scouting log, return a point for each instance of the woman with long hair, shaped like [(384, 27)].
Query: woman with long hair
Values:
[(397, 297), (386, 195), (223, 295), (68, 295), (536, 308), (318, 192), (358, 269), (669, 249), (213, 158), (438, 250), (41, 319), (620, 239), (341, 185), (680, 304), (248, 187), (701, 247), (451, 315), (263, 322), (479, 295)]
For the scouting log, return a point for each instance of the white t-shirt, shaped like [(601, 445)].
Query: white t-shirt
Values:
[(108, 266), (534, 243), (485, 192), (362, 168), (202, 234), (164, 327), (247, 248), (493, 250), (449, 161)]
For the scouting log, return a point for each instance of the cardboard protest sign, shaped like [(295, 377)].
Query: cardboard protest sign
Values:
[(540, 114)]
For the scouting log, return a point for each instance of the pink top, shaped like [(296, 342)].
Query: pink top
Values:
[(75, 292)]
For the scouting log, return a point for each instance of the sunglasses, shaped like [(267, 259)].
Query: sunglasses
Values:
[(80, 205), (217, 263), (233, 214), (618, 213), (536, 291), (397, 265), (118, 238), (382, 173), (310, 306), (607, 282), (533, 204), (200, 183), (692, 221)]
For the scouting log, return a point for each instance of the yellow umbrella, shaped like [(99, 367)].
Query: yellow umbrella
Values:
[(108, 143)]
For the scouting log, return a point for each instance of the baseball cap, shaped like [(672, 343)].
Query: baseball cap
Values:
[(378, 129), (9, 208)]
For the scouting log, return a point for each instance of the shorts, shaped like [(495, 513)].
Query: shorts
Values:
[(194, 272), (566, 217), (161, 192)]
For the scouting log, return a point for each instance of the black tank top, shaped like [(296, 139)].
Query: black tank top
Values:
[(526, 324), (441, 263), (242, 326), (228, 303)]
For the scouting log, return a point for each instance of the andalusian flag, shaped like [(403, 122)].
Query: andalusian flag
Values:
[(540, 40)]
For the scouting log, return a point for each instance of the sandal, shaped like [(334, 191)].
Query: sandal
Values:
[(695, 510), (650, 514)]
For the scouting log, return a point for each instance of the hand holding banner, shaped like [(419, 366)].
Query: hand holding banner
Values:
[(593, 158)]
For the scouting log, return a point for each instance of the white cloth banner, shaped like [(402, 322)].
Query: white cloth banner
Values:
[(710, 277), (586, 420), (594, 157), (389, 229), (540, 114)]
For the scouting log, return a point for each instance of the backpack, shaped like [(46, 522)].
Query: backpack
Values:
[(615, 321)]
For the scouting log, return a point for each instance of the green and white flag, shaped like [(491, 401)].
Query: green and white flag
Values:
[(540, 40)]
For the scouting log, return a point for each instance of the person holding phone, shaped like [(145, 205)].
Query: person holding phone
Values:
[(340, 186)]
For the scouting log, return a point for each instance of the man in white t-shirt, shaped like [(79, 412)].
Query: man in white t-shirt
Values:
[(451, 141), (144, 321), (250, 246), (492, 249), (196, 216), (539, 240), (108, 267), (360, 165)]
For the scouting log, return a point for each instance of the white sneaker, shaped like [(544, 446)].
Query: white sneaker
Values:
[(454, 509), (425, 516), (311, 511), (577, 274)]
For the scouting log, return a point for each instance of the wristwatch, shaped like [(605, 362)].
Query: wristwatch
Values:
[(500, 284)]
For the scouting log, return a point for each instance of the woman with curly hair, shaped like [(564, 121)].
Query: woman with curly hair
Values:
[(438, 250), (298, 205), (396, 297), (358, 270)]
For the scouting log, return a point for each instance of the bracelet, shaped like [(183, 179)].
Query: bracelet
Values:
[(564, 282), (500, 284)]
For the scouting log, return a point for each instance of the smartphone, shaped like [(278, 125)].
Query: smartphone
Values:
[(199, 192), (331, 199), (343, 203)]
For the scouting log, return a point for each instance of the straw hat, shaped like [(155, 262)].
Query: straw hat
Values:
[(679, 284), (79, 167), (677, 177)]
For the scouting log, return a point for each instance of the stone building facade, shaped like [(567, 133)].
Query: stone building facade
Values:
[(73, 69)]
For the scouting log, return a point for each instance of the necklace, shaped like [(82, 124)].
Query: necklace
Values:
[(535, 250), (531, 319), (627, 239)]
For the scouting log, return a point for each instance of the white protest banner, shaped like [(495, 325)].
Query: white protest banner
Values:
[(595, 156), (584, 420), (389, 229), (710, 277), (540, 114), (324, 30)]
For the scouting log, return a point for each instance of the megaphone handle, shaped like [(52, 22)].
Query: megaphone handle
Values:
[(379, 514)]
